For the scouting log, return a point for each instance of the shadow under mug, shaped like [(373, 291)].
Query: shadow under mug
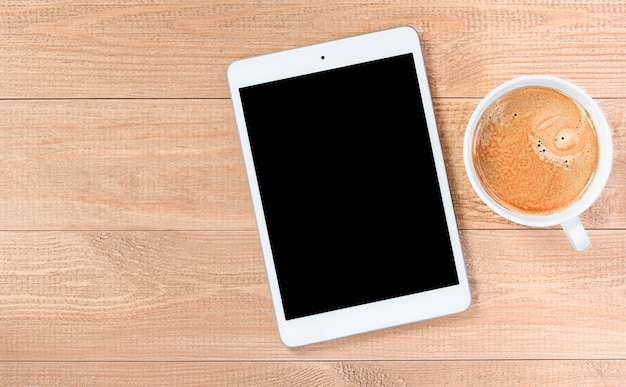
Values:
[(568, 218)]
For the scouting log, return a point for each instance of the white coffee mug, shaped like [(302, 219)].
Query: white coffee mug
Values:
[(568, 218)]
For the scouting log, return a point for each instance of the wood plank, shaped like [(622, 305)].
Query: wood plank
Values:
[(174, 49), (333, 373), (111, 164), (171, 296), (176, 165)]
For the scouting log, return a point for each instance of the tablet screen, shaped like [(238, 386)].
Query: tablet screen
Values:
[(348, 185)]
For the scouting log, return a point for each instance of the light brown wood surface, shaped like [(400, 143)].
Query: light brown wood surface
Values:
[(128, 248)]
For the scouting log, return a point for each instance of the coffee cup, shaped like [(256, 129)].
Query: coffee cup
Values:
[(538, 151)]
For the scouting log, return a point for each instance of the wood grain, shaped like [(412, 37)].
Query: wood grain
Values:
[(336, 374), (163, 296), (128, 249), (115, 164), (180, 49)]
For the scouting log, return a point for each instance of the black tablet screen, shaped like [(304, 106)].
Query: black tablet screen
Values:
[(348, 186)]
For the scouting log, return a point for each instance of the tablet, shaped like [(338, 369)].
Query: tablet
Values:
[(348, 185)]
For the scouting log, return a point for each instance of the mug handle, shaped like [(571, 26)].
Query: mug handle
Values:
[(576, 233)]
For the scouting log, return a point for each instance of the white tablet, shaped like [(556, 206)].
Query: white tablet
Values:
[(349, 186)]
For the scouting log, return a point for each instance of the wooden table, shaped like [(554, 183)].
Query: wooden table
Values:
[(128, 249)]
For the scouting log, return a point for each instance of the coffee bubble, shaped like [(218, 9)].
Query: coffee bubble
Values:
[(567, 139)]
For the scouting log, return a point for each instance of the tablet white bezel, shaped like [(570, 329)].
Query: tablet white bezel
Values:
[(380, 314)]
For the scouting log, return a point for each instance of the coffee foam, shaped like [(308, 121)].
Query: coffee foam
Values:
[(535, 150)]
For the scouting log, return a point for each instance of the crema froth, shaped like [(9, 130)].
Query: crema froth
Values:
[(535, 150)]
